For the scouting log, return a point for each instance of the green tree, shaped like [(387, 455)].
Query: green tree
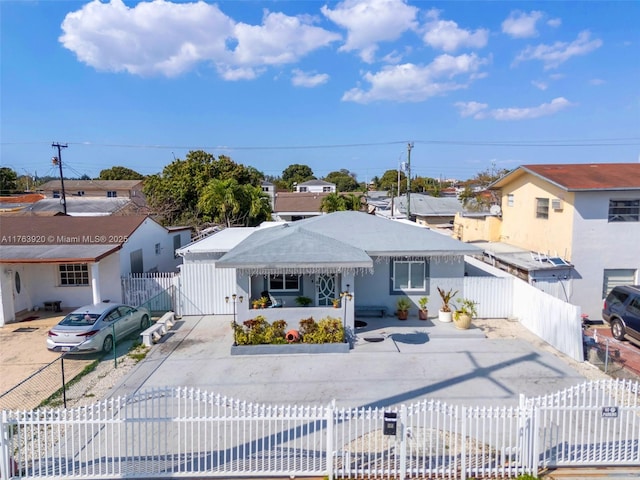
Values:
[(8, 180), (345, 181), (119, 173), (297, 173), (353, 201), (333, 203), (389, 181), (230, 203), (173, 194)]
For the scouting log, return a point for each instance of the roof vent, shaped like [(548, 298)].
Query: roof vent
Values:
[(556, 204)]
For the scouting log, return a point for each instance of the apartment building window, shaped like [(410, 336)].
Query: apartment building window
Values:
[(284, 283), (510, 200), (112, 194), (614, 277), (624, 210), (73, 274), (542, 208), (408, 275)]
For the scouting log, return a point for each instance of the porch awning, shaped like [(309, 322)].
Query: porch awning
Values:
[(288, 249)]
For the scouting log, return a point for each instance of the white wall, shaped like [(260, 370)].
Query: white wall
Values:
[(203, 287), (145, 238), (599, 245)]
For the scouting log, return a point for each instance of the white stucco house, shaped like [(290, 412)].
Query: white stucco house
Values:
[(316, 186), (375, 260), (78, 260)]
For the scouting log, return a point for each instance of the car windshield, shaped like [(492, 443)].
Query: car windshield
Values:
[(78, 319)]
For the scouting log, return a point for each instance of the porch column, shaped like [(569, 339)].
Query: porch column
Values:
[(95, 282), (349, 279)]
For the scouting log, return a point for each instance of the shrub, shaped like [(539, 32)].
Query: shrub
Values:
[(257, 331), (328, 330)]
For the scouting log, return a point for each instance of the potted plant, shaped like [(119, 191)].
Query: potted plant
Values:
[(336, 302), (303, 301), (402, 308), (423, 313), (263, 301), (256, 303), (445, 313), (466, 310)]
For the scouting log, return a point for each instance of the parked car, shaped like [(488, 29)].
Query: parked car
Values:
[(91, 328), (621, 310)]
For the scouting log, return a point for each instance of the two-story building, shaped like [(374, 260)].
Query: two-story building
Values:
[(587, 215)]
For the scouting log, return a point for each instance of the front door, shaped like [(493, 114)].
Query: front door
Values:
[(326, 289)]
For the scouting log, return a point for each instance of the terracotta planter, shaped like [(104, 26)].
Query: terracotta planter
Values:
[(402, 314), (423, 314), (293, 336), (462, 321), (445, 317)]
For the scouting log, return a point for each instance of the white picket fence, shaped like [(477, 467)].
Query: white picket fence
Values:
[(183, 432)]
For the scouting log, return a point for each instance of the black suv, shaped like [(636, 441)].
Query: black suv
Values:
[(621, 310)]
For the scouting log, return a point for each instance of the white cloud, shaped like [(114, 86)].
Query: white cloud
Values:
[(596, 82), (480, 111), (369, 22), (165, 38), (415, 83), (554, 22), (470, 109), (555, 55), (307, 79), (447, 36), (521, 24), (539, 85)]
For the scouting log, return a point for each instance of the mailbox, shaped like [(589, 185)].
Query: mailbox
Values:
[(390, 423)]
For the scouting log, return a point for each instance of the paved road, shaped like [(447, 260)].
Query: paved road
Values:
[(415, 360)]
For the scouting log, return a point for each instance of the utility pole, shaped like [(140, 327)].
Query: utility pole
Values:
[(58, 161), (409, 147)]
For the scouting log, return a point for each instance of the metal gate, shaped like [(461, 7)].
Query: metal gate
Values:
[(182, 432)]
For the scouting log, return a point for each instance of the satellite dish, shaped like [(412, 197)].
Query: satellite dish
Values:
[(495, 210)]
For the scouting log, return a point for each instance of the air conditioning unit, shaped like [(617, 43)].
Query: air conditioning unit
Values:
[(556, 204)]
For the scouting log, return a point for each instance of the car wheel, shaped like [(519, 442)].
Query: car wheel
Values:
[(617, 329), (144, 324), (107, 345)]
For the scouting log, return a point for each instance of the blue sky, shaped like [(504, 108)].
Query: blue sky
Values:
[(473, 85)]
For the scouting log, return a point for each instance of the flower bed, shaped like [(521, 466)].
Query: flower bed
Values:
[(256, 336)]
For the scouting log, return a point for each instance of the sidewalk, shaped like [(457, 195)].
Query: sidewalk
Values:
[(407, 361), (625, 354)]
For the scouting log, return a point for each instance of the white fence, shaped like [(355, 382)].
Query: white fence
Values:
[(181, 432), (155, 291)]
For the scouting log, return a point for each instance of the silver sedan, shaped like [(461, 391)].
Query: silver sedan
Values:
[(92, 328)]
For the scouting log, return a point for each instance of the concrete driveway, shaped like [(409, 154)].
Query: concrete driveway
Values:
[(413, 360)]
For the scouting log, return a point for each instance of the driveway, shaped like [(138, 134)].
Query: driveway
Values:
[(411, 360)]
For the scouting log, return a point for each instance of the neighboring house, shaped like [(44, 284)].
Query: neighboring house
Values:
[(16, 203), (270, 189), (316, 186), (85, 207), (429, 211), (375, 259), (583, 215), (78, 260), (292, 206), (93, 188)]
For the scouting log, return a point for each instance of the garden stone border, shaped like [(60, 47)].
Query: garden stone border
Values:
[(290, 348)]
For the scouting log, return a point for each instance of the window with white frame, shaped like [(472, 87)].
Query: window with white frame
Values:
[(409, 275), (510, 200), (326, 189), (284, 283), (302, 189), (542, 208), (73, 274), (624, 210)]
